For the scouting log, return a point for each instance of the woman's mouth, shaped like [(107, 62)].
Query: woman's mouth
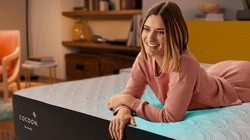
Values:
[(153, 46)]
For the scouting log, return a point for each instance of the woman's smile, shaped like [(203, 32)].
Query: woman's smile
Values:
[(152, 45), (153, 36)]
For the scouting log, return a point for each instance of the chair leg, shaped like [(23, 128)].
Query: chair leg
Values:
[(5, 93), (18, 83)]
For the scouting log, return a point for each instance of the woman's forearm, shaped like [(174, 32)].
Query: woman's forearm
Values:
[(121, 100), (128, 100)]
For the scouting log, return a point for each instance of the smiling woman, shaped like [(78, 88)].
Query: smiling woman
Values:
[(166, 65)]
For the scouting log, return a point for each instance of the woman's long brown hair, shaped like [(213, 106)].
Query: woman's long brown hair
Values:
[(176, 34)]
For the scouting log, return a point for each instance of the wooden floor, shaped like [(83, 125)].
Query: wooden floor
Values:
[(7, 129)]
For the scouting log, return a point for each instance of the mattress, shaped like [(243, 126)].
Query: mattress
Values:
[(88, 98)]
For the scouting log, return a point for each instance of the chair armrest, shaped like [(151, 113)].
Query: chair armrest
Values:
[(12, 56), (8, 58)]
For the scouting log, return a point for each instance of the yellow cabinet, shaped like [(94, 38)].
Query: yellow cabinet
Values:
[(223, 40)]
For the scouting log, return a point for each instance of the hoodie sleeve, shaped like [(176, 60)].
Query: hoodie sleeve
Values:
[(181, 88), (137, 82)]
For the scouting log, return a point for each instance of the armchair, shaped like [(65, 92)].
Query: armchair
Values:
[(10, 57)]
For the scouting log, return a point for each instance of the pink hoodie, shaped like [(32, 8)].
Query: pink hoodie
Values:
[(191, 88)]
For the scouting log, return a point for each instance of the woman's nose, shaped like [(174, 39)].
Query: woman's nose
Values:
[(152, 36)]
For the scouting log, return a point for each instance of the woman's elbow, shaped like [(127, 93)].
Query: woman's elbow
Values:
[(172, 118)]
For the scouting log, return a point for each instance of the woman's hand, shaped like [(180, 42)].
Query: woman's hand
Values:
[(120, 120), (121, 100)]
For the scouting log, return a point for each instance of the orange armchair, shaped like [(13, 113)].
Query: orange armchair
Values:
[(10, 59)]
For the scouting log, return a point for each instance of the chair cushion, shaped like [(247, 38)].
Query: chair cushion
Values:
[(8, 43)]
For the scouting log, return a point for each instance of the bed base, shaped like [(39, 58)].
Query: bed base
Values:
[(35, 120)]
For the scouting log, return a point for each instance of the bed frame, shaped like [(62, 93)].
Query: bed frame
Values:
[(65, 124), (71, 110)]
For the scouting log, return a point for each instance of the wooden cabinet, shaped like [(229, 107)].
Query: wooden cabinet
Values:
[(98, 59), (224, 40), (82, 65)]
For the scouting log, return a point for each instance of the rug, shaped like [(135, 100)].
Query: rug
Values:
[(6, 110)]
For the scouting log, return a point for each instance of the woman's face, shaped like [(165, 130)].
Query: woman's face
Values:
[(153, 35)]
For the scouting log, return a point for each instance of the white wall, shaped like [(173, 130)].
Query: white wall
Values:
[(48, 28), (190, 7), (12, 17)]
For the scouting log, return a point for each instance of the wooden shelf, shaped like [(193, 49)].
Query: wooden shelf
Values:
[(100, 15), (75, 14), (103, 46)]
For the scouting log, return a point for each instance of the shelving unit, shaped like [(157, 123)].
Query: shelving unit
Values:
[(76, 14), (96, 14), (108, 58), (103, 46)]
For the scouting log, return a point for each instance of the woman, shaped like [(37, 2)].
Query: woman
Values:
[(175, 76)]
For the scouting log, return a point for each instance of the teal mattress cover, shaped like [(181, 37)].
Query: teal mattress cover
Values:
[(219, 123)]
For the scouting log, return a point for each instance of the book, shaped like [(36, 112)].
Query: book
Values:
[(40, 63), (137, 30), (41, 58), (215, 17), (134, 32), (130, 39)]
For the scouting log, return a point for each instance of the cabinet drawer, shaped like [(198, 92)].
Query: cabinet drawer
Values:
[(112, 63), (81, 66)]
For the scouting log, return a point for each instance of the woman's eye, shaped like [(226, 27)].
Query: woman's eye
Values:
[(160, 32), (146, 29)]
